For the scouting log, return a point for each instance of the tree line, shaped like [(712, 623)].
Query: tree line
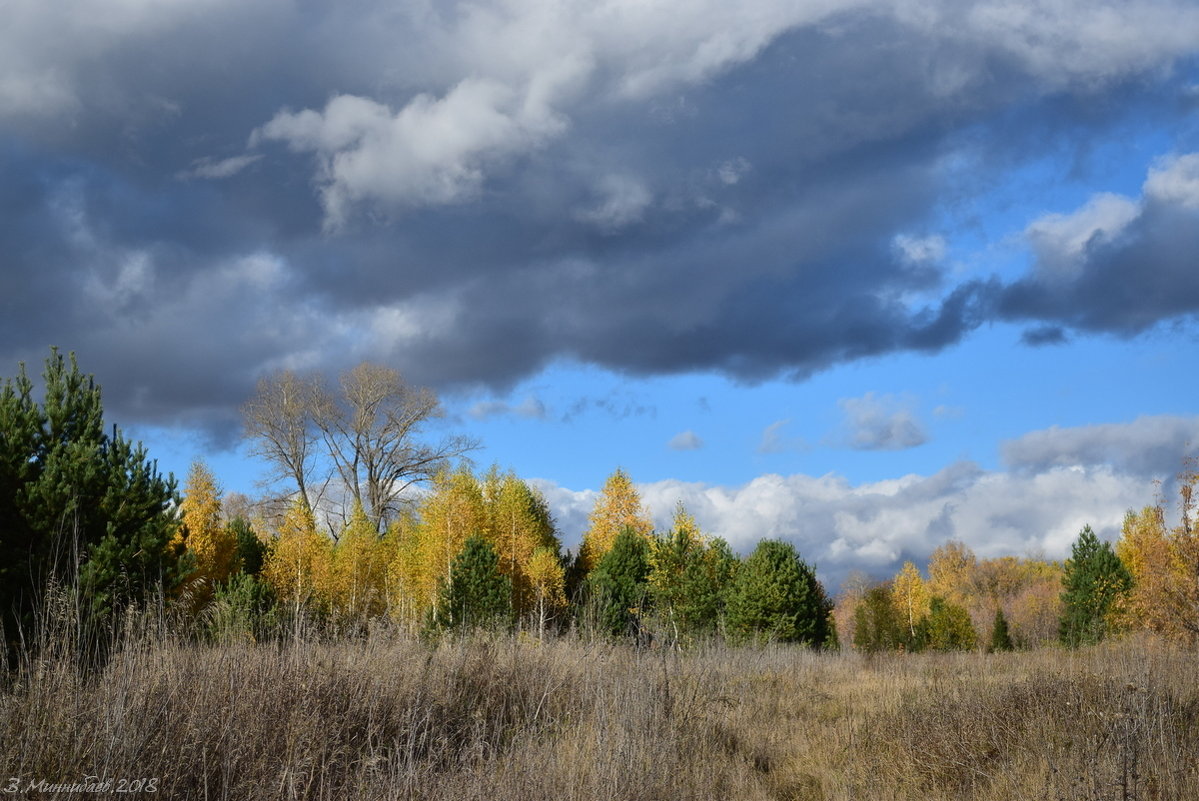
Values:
[(87, 511)]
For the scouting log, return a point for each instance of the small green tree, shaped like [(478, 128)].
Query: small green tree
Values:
[(251, 550), (946, 627), (876, 624), (687, 582), (1094, 581), (618, 588), (775, 595), (476, 595), (1001, 638)]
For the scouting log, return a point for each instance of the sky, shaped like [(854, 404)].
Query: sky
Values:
[(866, 275)]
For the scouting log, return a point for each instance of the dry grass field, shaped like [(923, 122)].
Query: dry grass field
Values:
[(386, 716)]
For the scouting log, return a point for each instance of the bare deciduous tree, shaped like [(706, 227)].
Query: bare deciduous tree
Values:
[(278, 421), (369, 432)]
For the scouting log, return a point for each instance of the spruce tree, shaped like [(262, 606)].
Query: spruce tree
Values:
[(477, 594), (775, 595), (1001, 638), (1094, 581)]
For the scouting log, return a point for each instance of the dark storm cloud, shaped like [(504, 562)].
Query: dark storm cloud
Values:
[(200, 192), (1116, 265)]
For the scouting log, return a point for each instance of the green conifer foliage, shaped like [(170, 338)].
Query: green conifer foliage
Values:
[(776, 596), (251, 550), (946, 627), (476, 595), (1094, 581), (1001, 638), (78, 506), (618, 587)]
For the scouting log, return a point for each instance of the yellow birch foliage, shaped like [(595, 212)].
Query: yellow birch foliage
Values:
[(618, 506), (299, 564), (518, 523), (213, 546), (451, 512), (910, 596), (547, 582), (1184, 542), (951, 573), (356, 589), (403, 553)]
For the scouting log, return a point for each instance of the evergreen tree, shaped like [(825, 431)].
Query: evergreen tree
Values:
[(775, 595), (251, 550), (946, 627), (1001, 638), (683, 584), (78, 506), (1094, 582), (477, 594), (618, 589)]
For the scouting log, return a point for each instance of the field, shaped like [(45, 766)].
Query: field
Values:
[(386, 716)]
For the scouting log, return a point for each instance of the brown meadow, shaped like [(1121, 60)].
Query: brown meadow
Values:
[(388, 716)]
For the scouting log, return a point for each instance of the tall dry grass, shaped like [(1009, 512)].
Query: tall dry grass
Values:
[(386, 716)]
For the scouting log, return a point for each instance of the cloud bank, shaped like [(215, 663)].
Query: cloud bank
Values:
[(1058, 480), (198, 192)]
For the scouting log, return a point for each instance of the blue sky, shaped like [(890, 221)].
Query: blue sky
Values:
[(862, 274)]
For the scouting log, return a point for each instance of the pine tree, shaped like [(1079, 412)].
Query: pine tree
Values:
[(1001, 639), (688, 578), (618, 508), (251, 550), (476, 594), (76, 504), (776, 596), (618, 588), (1094, 581)]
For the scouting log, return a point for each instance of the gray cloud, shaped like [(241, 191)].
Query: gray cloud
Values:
[(1117, 265), (775, 440), (531, 408), (881, 423), (685, 441), (470, 192), (1149, 447)]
